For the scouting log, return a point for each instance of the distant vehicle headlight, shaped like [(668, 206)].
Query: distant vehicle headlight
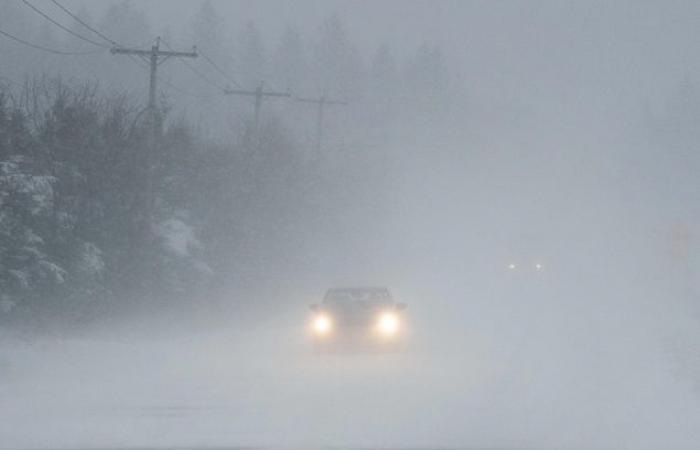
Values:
[(322, 324), (388, 323), (538, 266)]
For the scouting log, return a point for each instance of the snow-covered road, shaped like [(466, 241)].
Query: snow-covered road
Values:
[(262, 387)]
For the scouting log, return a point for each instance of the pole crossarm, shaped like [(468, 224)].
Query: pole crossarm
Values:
[(163, 53), (258, 94), (318, 101)]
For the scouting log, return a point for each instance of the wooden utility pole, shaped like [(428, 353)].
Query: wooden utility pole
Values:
[(259, 94), (155, 57), (320, 103)]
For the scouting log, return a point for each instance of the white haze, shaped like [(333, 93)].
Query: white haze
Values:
[(542, 160)]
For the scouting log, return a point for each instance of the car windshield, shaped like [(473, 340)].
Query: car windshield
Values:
[(357, 296), (356, 304)]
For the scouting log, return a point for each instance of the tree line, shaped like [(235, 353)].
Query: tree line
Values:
[(233, 207)]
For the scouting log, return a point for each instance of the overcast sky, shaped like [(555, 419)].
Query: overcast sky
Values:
[(617, 54)]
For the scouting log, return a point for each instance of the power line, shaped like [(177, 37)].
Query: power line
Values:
[(144, 65), (202, 76), (197, 72), (138, 62), (176, 88), (46, 49), (80, 21), (156, 57), (68, 30), (258, 94), (183, 91), (218, 69)]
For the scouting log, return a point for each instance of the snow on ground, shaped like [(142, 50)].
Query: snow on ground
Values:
[(455, 385)]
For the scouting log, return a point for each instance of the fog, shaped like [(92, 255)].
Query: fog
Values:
[(522, 175)]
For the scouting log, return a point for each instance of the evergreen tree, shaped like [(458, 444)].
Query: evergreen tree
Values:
[(426, 74), (26, 198), (339, 67), (251, 59), (383, 71), (289, 63)]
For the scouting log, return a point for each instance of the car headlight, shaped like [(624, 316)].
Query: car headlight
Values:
[(388, 323), (322, 324)]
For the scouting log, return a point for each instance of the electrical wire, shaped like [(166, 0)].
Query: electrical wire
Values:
[(202, 76), (93, 29), (218, 69), (107, 39), (67, 30), (46, 49), (143, 65), (81, 22), (195, 71), (183, 91), (99, 33), (138, 62)]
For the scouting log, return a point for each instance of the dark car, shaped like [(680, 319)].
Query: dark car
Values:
[(357, 318)]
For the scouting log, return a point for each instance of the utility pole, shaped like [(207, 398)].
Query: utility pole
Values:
[(259, 94), (155, 57), (320, 103)]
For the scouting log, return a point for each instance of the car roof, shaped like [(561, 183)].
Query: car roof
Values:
[(359, 288), (357, 295)]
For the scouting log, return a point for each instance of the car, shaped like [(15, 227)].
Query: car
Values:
[(527, 253), (357, 319), (525, 265)]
